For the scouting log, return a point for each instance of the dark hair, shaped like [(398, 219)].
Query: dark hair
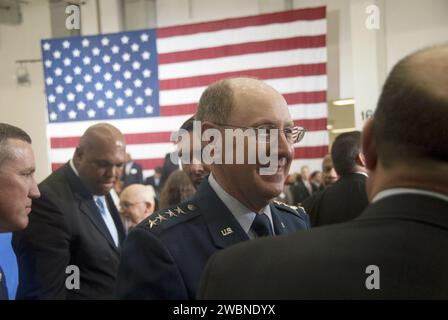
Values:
[(411, 119), (188, 124), (216, 102), (158, 169), (315, 173), (346, 148), (8, 131), (176, 189)]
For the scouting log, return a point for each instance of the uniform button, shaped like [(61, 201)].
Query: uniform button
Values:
[(191, 207)]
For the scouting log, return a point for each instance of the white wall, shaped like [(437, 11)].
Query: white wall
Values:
[(414, 24), (25, 106), (408, 25)]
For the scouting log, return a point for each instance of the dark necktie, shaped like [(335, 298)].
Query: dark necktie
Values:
[(262, 226)]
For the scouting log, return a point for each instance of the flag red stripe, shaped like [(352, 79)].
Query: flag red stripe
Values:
[(310, 152), (133, 138), (306, 97), (234, 23), (178, 109), (243, 48), (164, 137), (312, 124), (266, 73)]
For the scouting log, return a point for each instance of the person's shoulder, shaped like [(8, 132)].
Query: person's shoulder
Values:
[(286, 208), (167, 219)]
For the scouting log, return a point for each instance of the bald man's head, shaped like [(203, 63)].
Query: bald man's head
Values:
[(410, 122), (99, 158), (219, 99), (248, 108), (137, 202)]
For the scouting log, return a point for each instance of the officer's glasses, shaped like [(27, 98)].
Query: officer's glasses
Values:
[(292, 134)]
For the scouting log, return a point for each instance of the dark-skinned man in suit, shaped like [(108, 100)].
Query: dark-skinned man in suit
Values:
[(75, 225)]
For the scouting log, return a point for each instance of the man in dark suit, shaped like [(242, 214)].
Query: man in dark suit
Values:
[(155, 180), (302, 189), (169, 166), (397, 248), (164, 256), (17, 185), (347, 198), (132, 172), (71, 248)]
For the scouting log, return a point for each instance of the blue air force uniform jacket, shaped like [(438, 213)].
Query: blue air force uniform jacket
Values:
[(164, 256)]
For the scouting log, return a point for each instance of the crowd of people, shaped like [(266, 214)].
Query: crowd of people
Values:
[(227, 231)]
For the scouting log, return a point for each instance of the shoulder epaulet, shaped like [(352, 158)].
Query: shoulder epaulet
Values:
[(166, 215), (282, 204)]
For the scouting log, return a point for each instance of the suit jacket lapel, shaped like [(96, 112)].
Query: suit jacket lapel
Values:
[(89, 208), (87, 205), (223, 227)]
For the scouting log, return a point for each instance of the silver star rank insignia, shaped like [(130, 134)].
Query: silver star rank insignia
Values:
[(171, 213), (152, 223), (179, 210)]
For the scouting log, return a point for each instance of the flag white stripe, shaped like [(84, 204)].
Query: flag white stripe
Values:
[(308, 111), (126, 126), (159, 150), (241, 35), (168, 124), (238, 62), (283, 85)]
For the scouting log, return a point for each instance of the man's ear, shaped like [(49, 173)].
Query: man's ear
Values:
[(77, 156), (361, 160), (369, 146), (206, 125), (149, 207)]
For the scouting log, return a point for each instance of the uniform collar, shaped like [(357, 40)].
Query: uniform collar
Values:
[(242, 214)]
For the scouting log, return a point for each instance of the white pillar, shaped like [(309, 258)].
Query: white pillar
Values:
[(101, 16), (111, 16), (369, 55)]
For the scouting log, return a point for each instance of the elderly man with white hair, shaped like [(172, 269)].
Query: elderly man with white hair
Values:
[(137, 202)]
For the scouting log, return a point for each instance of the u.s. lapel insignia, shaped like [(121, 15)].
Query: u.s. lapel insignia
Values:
[(171, 213), (283, 225), (160, 218), (152, 223), (179, 210), (226, 231)]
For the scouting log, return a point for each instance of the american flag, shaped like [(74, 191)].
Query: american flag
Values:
[(148, 82)]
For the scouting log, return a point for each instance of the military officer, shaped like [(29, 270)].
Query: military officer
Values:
[(164, 256)]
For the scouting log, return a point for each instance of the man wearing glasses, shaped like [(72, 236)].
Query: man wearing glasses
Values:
[(164, 256)]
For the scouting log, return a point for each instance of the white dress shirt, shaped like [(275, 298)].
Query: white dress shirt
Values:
[(395, 191), (242, 214)]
